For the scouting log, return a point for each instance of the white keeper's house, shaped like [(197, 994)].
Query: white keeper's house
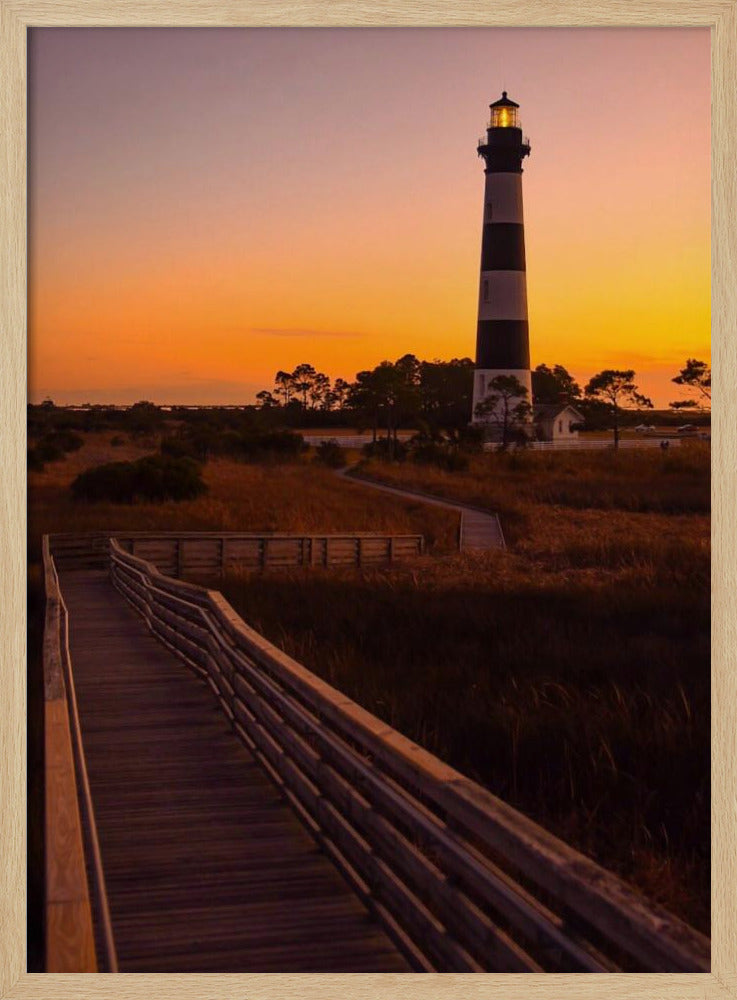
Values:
[(556, 421)]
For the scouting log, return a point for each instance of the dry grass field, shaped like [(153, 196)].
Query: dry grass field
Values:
[(569, 673), (299, 497)]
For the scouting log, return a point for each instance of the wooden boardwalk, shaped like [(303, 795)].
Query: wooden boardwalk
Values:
[(207, 868), (480, 531)]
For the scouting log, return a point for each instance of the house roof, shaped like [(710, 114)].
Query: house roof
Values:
[(549, 411)]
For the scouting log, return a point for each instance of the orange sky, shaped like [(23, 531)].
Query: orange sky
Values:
[(208, 206)]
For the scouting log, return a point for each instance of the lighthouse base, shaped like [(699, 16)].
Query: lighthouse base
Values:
[(494, 420)]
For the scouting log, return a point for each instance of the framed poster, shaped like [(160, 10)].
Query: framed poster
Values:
[(721, 18)]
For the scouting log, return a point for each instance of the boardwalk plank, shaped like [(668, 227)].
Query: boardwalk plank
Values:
[(207, 868)]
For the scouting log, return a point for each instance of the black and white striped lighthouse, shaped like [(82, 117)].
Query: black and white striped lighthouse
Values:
[(502, 336)]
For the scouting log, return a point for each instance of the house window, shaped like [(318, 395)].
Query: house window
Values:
[(560, 426), (486, 291), (570, 426)]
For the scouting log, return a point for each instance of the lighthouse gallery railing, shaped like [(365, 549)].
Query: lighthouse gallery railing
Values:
[(462, 881)]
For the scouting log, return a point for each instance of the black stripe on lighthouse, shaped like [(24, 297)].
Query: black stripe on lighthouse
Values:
[(503, 246), (502, 344)]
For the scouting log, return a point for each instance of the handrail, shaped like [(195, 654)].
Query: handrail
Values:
[(462, 881), (213, 552), (65, 687)]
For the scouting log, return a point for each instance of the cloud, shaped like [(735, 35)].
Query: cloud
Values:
[(269, 331), (633, 359)]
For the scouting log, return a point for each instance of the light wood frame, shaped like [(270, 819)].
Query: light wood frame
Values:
[(18, 15)]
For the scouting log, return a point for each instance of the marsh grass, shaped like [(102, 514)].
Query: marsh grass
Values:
[(569, 674), (518, 484), (581, 698)]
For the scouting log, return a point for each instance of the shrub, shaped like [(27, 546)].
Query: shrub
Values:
[(143, 418), (270, 446), (442, 456), (180, 447), (51, 447), (48, 451), (471, 438), (386, 450), (65, 440), (331, 454), (154, 478), (113, 481)]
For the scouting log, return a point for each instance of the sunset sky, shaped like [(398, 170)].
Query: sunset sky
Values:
[(210, 205)]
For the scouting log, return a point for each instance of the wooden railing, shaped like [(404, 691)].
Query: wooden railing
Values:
[(461, 881), (204, 553), (70, 830)]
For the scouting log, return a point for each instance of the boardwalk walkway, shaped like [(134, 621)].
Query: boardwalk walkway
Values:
[(207, 868), (480, 530)]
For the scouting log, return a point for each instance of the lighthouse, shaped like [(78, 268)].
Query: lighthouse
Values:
[(502, 335)]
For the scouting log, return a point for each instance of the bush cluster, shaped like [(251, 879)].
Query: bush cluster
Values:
[(422, 449), (443, 456), (248, 445), (269, 446), (386, 450), (51, 447), (331, 454), (154, 478)]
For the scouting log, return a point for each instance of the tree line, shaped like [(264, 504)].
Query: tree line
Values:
[(436, 396), (433, 397)]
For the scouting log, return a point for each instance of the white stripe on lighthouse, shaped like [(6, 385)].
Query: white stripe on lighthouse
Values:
[(503, 295), (484, 375), (503, 198)]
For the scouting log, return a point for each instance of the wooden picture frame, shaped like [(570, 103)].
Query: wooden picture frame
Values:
[(16, 16)]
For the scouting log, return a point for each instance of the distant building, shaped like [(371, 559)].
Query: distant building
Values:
[(556, 421)]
